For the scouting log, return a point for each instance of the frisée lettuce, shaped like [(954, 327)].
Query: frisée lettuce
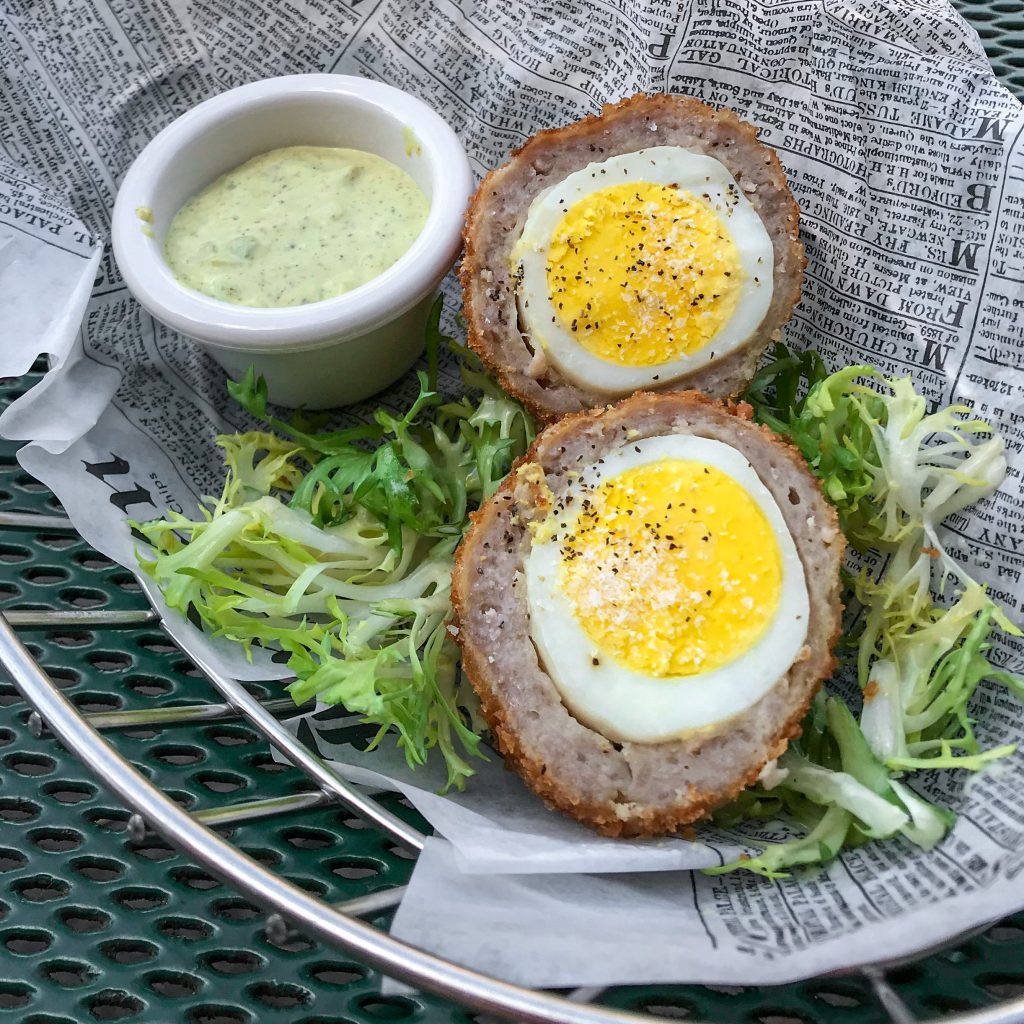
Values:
[(894, 471), (337, 548)]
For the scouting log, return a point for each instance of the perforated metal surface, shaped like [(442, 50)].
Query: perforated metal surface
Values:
[(97, 926), (1001, 28)]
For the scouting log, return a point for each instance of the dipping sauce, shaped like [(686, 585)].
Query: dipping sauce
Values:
[(295, 225)]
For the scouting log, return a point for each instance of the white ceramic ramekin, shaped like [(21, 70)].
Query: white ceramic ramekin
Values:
[(325, 353)]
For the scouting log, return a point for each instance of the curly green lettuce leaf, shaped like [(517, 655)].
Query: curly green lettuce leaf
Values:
[(796, 396), (337, 548), (917, 697), (926, 824), (894, 472), (844, 789), (820, 845), (877, 817)]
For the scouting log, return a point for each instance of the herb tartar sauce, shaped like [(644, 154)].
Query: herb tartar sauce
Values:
[(295, 225)]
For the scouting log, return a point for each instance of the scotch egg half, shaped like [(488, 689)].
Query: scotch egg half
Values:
[(654, 246), (646, 608)]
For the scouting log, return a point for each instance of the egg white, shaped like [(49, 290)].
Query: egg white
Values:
[(628, 706), (701, 175)]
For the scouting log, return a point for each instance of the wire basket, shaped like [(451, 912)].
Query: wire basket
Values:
[(102, 919)]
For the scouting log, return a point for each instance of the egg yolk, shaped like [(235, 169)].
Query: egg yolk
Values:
[(642, 273), (671, 568)]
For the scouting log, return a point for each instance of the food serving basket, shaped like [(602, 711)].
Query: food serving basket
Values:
[(158, 863)]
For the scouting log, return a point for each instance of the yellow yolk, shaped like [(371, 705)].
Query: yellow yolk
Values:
[(671, 568), (642, 273)]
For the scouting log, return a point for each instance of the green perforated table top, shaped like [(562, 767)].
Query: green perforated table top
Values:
[(97, 926)]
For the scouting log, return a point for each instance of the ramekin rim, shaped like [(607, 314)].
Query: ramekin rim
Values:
[(382, 299)]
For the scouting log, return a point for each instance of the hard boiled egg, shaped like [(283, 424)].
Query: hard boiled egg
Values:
[(665, 591), (642, 268)]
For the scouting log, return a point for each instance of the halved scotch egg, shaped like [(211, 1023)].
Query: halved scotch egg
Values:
[(647, 607), (654, 247)]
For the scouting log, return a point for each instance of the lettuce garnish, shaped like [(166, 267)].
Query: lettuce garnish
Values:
[(337, 548), (895, 472)]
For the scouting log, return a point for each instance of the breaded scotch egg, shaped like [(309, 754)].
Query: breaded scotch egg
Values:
[(652, 247), (646, 608)]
